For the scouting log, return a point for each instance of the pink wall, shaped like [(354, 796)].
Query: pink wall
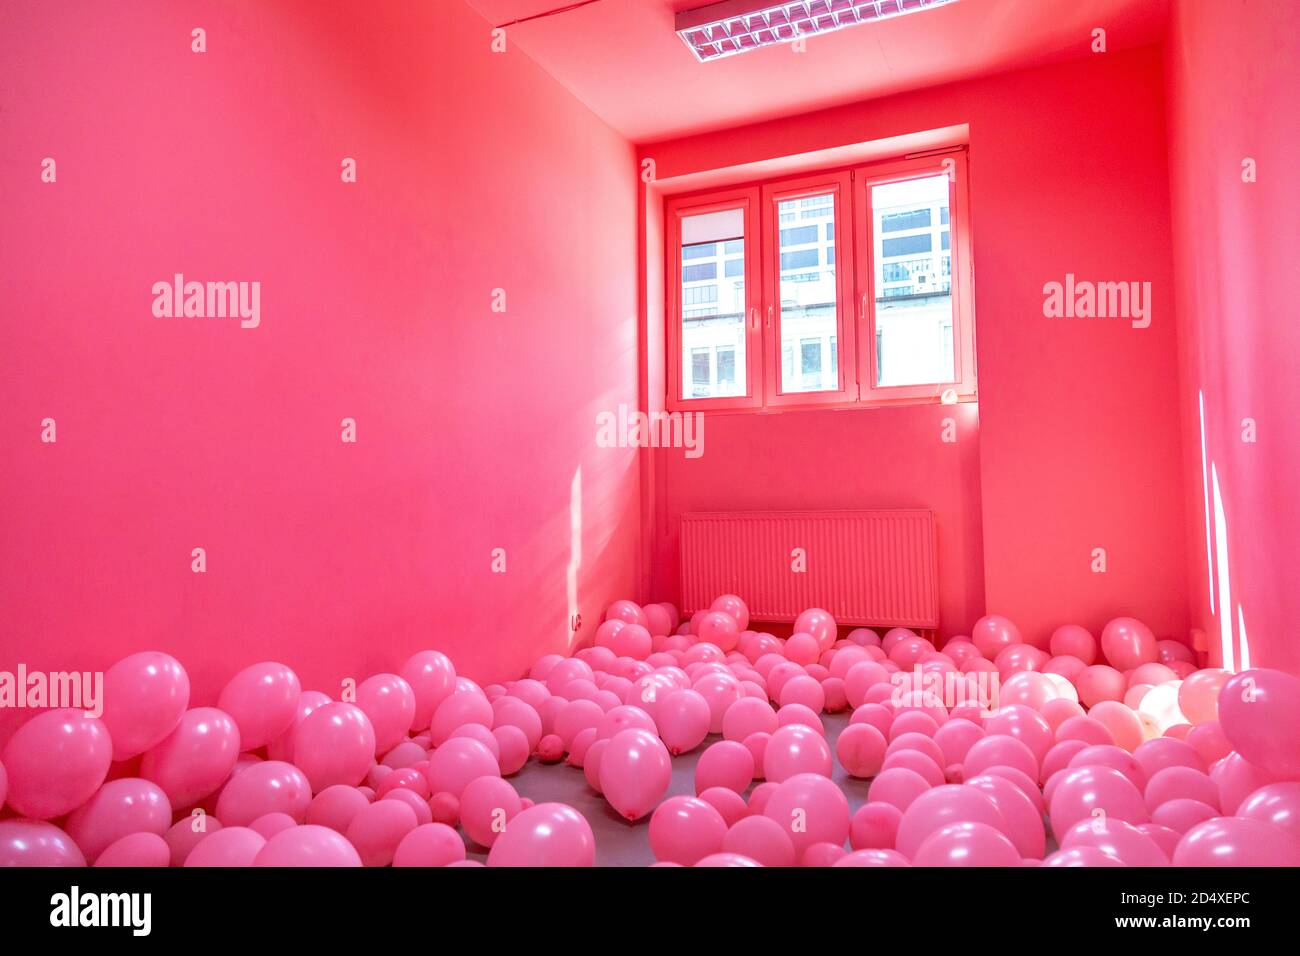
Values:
[(1234, 69), (1077, 446), (476, 171)]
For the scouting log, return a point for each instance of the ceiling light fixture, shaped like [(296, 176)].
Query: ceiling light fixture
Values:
[(735, 26)]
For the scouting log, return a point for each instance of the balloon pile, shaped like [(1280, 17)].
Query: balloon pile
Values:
[(995, 750)]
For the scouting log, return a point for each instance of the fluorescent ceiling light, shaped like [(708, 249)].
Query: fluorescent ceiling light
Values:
[(734, 26)]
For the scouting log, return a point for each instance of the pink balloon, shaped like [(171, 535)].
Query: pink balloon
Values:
[(1018, 658), (462, 707), (432, 844), (717, 627), (1180, 783), (136, 850), (432, 678), (861, 750), (1236, 841), (1277, 804), (227, 847), (730, 604), (487, 805), (1081, 856), (659, 620), (335, 744), (420, 805), (727, 860), (269, 824), (729, 803), (898, 787), (1181, 814), (1084, 790), (631, 640), (1128, 643), (761, 839), (1160, 753), (1000, 750), (1208, 740), (684, 830), (548, 834), (1108, 755), (796, 749), (627, 611), (389, 702), (144, 697), (725, 764), (1024, 724), (1150, 675), (967, 844), (1198, 695), (378, 828), (186, 833), (1099, 682), (308, 846), (939, 807), (458, 761), (875, 827), (119, 808), (810, 809), (1259, 711), (55, 762), (35, 843), (1121, 721), (281, 748), (748, 716), (719, 691), (804, 690), (1027, 688), (683, 718), (271, 786), (514, 712), (635, 771), (1066, 666), (1071, 640), (992, 633), (872, 858), (513, 748), (918, 762), (263, 701), (1237, 778), (955, 738), (1023, 819), (1086, 730), (820, 624), (1116, 838)]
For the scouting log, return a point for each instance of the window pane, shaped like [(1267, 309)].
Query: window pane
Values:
[(913, 282), (810, 351), (713, 312), (808, 294), (726, 365)]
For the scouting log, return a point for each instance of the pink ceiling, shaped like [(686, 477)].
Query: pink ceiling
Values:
[(622, 58)]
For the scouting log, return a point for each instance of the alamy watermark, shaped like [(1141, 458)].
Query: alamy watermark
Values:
[(208, 300), (76, 690), (636, 429), (949, 688), (1084, 299)]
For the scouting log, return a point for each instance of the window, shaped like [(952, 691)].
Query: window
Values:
[(844, 288), (712, 335), (913, 307)]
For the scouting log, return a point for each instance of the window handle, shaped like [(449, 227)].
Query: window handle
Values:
[(753, 319), (862, 313), (769, 318)]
